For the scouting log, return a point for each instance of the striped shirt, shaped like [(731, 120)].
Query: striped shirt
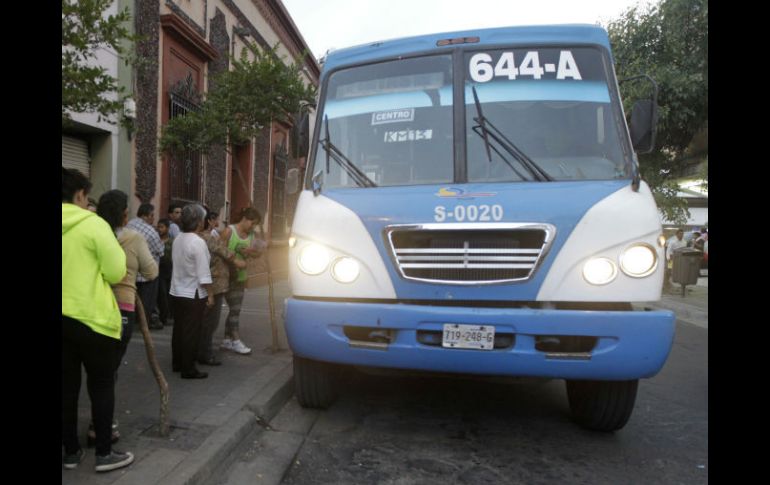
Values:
[(153, 240)]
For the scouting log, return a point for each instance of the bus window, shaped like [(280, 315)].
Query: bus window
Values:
[(563, 121), (393, 120)]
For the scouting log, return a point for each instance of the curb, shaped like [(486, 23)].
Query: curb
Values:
[(196, 468), (266, 404)]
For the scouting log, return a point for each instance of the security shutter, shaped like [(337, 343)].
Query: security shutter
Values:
[(74, 154)]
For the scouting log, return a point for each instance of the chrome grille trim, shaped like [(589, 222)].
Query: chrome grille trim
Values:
[(469, 250), (466, 265), (466, 257)]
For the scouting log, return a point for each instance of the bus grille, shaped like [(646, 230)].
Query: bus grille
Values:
[(469, 253)]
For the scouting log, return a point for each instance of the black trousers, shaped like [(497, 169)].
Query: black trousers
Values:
[(186, 336), (164, 299), (98, 354)]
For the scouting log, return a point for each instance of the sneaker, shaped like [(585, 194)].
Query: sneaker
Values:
[(91, 435), (227, 344), (72, 461), (239, 348), (113, 461)]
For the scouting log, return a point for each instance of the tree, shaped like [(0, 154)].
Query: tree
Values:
[(86, 86), (668, 41), (242, 101)]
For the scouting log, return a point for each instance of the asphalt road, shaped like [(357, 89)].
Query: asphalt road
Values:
[(408, 429)]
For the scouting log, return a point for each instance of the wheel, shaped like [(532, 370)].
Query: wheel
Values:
[(313, 383), (602, 405)]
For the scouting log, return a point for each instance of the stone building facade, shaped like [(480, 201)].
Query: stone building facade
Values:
[(184, 43)]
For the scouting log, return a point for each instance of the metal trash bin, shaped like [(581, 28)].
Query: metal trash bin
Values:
[(686, 266)]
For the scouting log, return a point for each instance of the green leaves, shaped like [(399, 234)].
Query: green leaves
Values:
[(258, 89), (86, 86), (668, 41)]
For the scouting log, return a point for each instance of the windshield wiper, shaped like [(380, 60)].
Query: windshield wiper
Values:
[(350, 168), (484, 126)]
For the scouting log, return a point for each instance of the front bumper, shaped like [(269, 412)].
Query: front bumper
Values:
[(630, 344)]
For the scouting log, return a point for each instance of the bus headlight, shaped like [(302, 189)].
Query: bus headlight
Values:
[(599, 271), (313, 259), (345, 270), (638, 261)]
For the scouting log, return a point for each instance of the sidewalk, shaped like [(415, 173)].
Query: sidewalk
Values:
[(208, 417), (691, 308)]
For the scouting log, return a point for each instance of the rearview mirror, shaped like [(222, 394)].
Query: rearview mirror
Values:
[(292, 181), (300, 136), (643, 124), (644, 118)]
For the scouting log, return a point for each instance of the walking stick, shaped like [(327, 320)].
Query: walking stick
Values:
[(162, 384), (273, 326)]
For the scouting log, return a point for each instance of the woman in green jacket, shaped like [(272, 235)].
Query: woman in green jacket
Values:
[(92, 260)]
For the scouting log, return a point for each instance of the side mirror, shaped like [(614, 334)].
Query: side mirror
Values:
[(292, 181), (300, 136), (644, 118), (316, 181)]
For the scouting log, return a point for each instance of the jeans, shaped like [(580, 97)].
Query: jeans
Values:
[(148, 292), (210, 324), (234, 297), (98, 354), (127, 319)]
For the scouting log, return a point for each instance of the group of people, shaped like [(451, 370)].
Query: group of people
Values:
[(108, 262), (207, 267)]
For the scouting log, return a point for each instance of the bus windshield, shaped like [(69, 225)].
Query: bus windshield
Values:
[(393, 120)]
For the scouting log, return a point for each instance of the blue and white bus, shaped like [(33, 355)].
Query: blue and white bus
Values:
[(473, 205)]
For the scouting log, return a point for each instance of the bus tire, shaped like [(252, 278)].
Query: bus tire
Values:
[(601, 405), (313, 383)]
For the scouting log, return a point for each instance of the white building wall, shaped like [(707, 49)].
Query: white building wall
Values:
[(108, 59)]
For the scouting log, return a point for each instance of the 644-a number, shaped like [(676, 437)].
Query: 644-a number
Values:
[(482, 71)]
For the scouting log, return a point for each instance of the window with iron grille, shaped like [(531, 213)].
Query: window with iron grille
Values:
[(185, 169)]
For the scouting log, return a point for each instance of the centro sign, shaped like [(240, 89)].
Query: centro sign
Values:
[(392, 116)]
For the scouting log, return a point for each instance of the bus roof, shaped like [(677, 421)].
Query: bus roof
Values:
[(574, 34)]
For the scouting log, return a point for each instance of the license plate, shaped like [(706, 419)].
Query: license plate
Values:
[(478, 337)]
